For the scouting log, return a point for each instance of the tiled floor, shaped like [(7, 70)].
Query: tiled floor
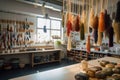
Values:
[(8, 74)]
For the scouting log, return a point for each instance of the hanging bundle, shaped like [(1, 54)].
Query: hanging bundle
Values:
[(107, 20), (63, 16), (95, 22), (91, 18), (107, 16), (116, 27), (44, 29), (82, 34), (72, 16), (77, 23), (69, 27), (100, 36), (88, 44), (107, 24), (63, 20), (101, 24), (95, 35), (116, 24), (73, 25), (117, 18), (83, 17), (110, 35), (69, 44), (69, 19)]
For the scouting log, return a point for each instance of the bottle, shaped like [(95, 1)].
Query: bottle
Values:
[(84, 65)]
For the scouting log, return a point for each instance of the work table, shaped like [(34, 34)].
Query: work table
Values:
[(28, 52), (64, 73), (54, 53)]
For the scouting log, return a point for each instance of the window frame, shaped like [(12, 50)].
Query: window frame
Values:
[(37, 28)]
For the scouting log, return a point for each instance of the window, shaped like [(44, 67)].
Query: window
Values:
[(53, 29)]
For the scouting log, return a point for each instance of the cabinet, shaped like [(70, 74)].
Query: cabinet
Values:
[(78, 55), (45, 56)]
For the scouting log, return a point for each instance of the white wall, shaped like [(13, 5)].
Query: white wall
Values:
[(19, 7)]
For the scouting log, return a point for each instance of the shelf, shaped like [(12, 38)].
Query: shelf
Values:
[(46, 62), (55, 57)]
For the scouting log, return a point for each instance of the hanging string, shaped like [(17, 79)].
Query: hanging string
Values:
[(92, 3), (72, 6), (106, 4), (79, 8), (112, 10), (101, 5), (76, 7), (63, 7), (89, 17), (96, 7), (86, 7), (83, 6), (69, 5)]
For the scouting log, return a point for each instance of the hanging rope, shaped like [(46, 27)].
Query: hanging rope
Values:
[(83, 5), (96, 11), (79, 7), (106, 4), (101, 5)]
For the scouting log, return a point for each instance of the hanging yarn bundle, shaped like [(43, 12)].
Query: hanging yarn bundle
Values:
[(117, 18), (95, 35), (101, 24), (77, 23), (110, 34), (82, 34), (88, 44), (95, 22), (116, 24), (91, 18), (69, 44)]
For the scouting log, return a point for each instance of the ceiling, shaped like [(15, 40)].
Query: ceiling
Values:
[(57, 5), (51, 4)]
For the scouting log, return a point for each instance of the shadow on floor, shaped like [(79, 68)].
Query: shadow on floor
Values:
[(8, 74)]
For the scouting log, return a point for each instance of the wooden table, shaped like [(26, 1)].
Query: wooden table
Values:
[(64, 73), (32, 55)]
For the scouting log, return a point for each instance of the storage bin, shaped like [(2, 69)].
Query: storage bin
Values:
[(15, 63)]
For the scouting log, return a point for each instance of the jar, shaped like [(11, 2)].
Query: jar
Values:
[(84, 65)]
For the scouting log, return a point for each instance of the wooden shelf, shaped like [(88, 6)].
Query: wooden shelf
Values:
[(47, 53), (46, 62)]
